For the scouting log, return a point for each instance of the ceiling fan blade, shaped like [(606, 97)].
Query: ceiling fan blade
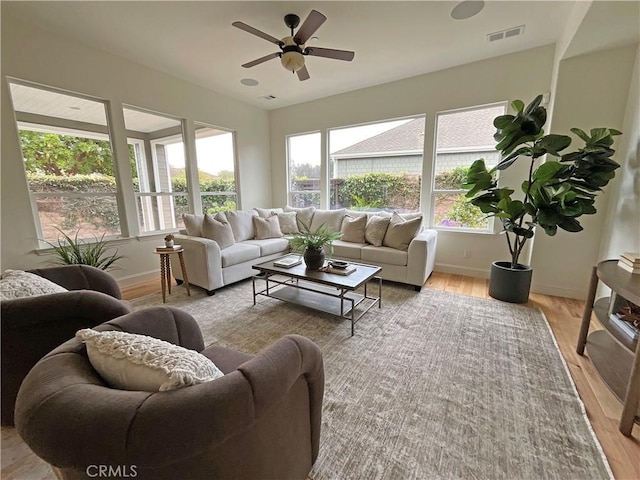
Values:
[(309, 27), (303, 74), (261, 60), (345, 55), (255, 31)]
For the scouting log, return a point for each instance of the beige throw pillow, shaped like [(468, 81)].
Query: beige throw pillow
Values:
[(267, 227), (332, 219), (375, 230), (401, 232), (267, 212), (218, 229), (193, 224), (138, 362), (242, 224), (19, 284), (288, 223), (353, 228), (304, 215)]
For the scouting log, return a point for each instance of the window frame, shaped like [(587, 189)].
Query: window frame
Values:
[(323, 174)]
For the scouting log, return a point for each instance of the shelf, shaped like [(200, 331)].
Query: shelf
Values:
[(612, 362), (321, 301), (601, 309)]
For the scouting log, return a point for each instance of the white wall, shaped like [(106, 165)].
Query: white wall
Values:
[(32, 54), (522, 75)]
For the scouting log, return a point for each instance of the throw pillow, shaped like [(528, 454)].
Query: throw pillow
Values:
[(241, 224), (353, 228), (375, 230), (331, 218), (215, 228), (19, 284), (401, 232), (267, 212), (304, 215), (193, 224), (288, 223), (130, 361), (267, 227)]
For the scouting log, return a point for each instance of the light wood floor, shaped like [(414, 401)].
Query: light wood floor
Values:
[(564, 315)]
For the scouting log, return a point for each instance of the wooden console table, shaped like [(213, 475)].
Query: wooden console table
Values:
[(613, 352)]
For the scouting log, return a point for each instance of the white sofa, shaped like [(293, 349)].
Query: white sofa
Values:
[(211, 266)]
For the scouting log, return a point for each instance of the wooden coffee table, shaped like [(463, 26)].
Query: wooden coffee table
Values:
[(320, 290)]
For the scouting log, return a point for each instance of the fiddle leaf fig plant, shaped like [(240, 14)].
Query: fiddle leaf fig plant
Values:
[(555, 193)]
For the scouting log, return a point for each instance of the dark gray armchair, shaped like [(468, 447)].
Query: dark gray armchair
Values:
[(33, 326), (261, 420)]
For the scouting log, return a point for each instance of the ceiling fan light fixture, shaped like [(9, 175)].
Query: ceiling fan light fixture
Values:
[(292, 61)]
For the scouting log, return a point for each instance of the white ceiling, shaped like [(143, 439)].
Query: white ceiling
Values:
[(392, 40)]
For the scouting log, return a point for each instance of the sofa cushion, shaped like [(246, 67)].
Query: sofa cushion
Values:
[(267, 212), (193, 224), (303, 215), (19, 284), (218, 229), (288, 223), (267, 227), (353, 228), (242, 224), (128, 361), (238, 253), (376, 229), (270, 245), (347, 249), (401, 232), (331, 218), (377, 255)]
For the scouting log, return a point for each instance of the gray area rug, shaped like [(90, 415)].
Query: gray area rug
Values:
[(434, 385)]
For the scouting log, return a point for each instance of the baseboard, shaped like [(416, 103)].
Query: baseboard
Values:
[(138, 278), (459, 270), (557, 291)]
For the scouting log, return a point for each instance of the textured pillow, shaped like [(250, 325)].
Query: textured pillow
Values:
[(304, 215), (331, 218), (375, 230), (137, 362), (267, 227), (242, 224), (19, 284), (193, 224), (288, 223), (267, 212), (353, 228), (219, 230), (401, 232)]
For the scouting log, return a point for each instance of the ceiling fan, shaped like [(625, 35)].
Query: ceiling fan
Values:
[(293, 49)]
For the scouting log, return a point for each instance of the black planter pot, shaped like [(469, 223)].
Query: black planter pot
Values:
[(314, 258), (510, 284)]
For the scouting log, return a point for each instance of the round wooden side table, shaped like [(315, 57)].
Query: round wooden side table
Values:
[(165, 270)]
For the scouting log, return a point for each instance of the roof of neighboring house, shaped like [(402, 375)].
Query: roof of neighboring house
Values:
[(406, 137), (467, 128)]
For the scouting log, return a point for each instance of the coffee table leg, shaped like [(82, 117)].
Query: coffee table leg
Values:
[(379, 292)]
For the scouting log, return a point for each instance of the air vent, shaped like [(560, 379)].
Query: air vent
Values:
[(508, 33), (268, 97)]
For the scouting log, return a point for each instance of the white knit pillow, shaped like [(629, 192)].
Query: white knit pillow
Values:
[(19, 284), (138, 362)]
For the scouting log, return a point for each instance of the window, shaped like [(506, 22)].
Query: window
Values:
[(216, 168), (303, 154), (377, 166), (462, 137), (157, 152), (68, 162)]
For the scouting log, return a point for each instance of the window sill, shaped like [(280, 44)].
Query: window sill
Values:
[(462, 230)]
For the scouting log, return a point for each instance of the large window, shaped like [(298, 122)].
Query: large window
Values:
[(216, 168), (377, 166), (158, 165), (303, 154), (68, 161), (462, 137)]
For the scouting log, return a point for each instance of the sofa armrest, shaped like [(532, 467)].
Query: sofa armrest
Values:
[(421, 257), (202, 260), (81, 277)]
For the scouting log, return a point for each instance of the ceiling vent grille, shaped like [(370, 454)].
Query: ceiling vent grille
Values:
[(508, 33), (268, 97)]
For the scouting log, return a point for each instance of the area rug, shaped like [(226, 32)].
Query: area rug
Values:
[(433, 385)]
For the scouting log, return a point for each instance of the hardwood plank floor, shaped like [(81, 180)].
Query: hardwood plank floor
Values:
[(563, 314)]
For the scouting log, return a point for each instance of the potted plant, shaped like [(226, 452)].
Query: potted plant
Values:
[(168, 240), (554, 195), (74, 251), (311, 244)]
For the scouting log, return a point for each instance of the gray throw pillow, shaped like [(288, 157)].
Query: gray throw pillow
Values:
[(267, 227), (375, 230), (401, 232), (288, 223), (353, 228), (218, 230)]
